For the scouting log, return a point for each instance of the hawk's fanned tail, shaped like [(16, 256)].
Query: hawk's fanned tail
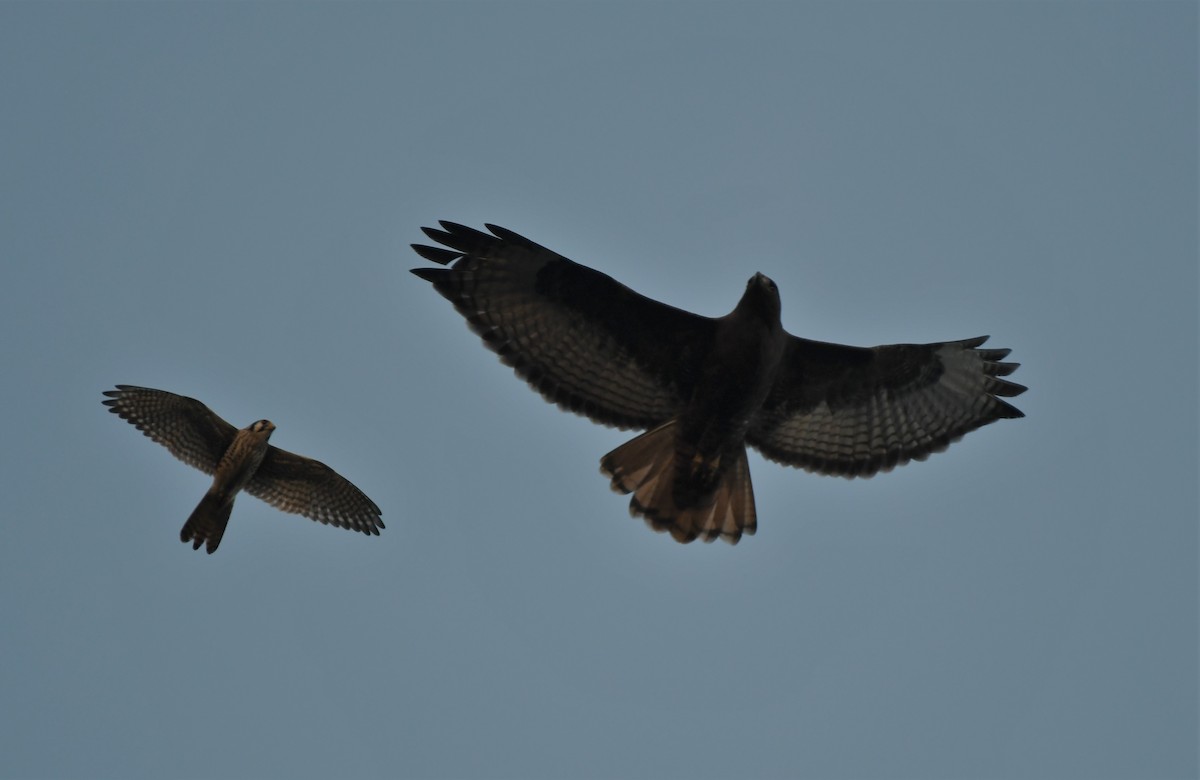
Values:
[(649, 467), (207, 522)]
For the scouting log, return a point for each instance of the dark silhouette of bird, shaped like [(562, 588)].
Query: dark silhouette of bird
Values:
[(702, 388)]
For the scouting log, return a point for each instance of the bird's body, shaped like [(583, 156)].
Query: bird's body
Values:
[(240, 460), (689, 476), (703, 388), (234, 471)]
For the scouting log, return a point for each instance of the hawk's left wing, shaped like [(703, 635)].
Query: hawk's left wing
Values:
[(581, 339), (853, 411)]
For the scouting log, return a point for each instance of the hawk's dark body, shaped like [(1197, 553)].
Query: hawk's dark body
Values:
[(705, 387)]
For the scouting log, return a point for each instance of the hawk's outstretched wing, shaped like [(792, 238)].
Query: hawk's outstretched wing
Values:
[(308, 487), (853, 411), (581, 339), (190, 430)]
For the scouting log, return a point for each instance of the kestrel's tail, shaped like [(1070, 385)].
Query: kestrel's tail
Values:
[(663, 481), (207, 523)]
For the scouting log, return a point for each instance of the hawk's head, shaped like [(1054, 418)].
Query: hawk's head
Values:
[(761, 298)]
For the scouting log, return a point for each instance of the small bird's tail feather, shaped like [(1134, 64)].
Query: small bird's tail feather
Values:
[(207, 522)]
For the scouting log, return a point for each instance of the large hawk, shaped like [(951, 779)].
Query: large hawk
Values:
[(240, 460), (703, 388)]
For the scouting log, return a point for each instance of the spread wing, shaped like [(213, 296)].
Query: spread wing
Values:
[(189, 429), (852, 411), (307, 487), (578, 337)]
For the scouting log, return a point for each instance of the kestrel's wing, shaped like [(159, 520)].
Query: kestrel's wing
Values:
[(189, 429), (581, 339), (853, 412), (304, 486)]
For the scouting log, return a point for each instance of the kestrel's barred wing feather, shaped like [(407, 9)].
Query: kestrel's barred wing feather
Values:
[(580, 338), (852, 411), (307, 487), (189, 429)]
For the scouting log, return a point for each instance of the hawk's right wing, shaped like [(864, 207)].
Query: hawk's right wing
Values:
[(581, 339), (853, 411)]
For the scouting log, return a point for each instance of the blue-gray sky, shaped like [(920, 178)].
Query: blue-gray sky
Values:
[(217, 199)]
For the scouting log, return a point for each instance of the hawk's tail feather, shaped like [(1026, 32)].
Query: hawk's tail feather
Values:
[(206, 525), (646, 467)]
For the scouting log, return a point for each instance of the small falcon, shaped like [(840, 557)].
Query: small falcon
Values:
[(237, 460), (702, 388)]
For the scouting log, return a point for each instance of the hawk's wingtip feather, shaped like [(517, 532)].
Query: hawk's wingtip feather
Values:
[(429, 274)]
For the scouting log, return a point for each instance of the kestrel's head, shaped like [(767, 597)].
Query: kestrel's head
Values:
[(263, 426)]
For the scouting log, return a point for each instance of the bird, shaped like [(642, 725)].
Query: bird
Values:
[(240, 460), (704, 388)]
